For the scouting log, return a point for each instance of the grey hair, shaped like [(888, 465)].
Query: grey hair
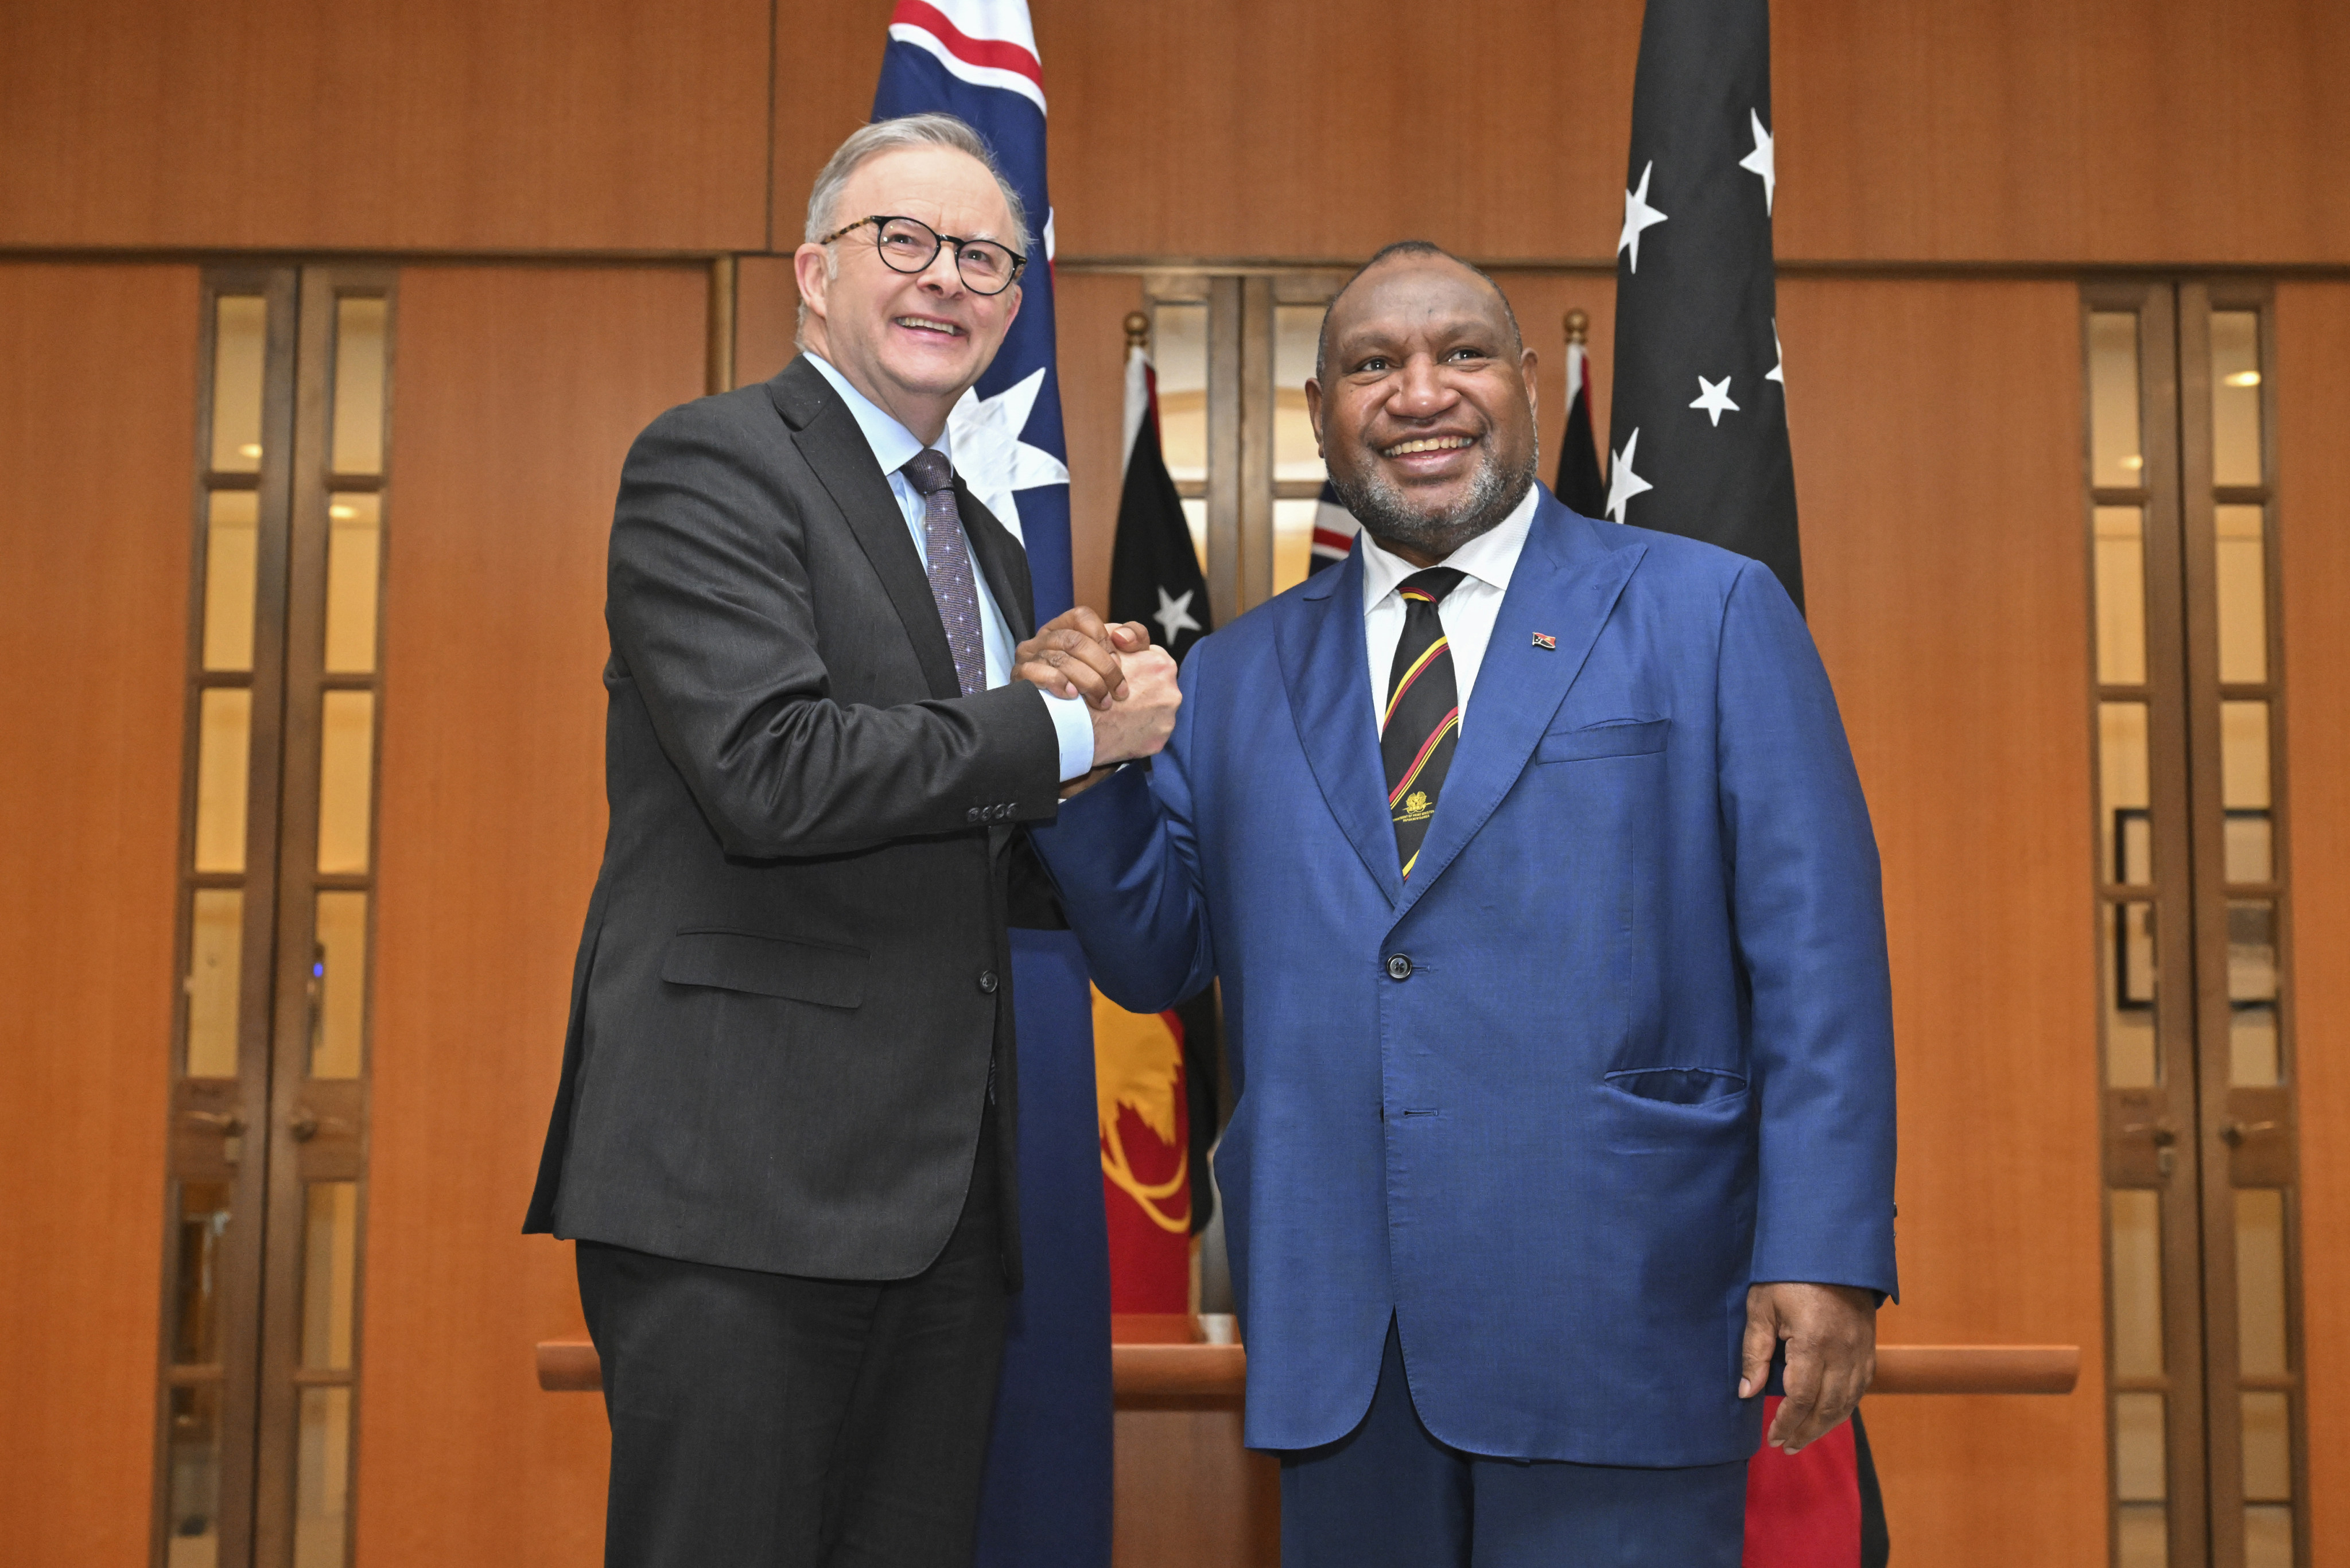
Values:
[(868, 142)]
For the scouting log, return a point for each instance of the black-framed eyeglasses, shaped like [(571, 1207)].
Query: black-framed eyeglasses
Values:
[(910, 246)]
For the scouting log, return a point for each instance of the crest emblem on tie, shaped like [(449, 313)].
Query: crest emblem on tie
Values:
[(1545, 639)]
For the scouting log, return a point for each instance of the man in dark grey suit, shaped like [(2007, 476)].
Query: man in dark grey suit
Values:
[(783, 1137)]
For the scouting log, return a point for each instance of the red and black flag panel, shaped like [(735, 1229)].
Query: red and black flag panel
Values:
[(1580, 486), (1698, 424), (1154, 573), (1698, 446)]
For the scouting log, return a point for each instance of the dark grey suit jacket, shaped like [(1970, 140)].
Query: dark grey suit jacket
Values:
[(795, 972)]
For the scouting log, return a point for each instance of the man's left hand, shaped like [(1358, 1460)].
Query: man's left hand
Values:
[(1076, 654), (1831, 1334)]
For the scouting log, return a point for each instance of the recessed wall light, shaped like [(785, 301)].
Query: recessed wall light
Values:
[(2243, 379), (250, 449)]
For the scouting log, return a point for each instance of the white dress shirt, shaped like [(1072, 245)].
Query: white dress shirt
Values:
[(894, 446), (1468, 611)]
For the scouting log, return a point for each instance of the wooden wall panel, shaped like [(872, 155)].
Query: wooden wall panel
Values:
[(2113, 130), (1089, 314), (2169, 130), (518, 392), (1542, 301), (97, 437), (2312, 324), (385, 124), (1944, 564), (766, 314)]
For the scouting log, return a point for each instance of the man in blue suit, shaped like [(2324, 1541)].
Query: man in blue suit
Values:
[(1531, 856)]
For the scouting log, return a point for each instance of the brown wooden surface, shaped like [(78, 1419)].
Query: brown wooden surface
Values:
[(1937, 442), (1090, 313), (2313, 384), (395, 124), (96, 436), (1187, 1495), (517, 393), (766, 313), (1937, 130)]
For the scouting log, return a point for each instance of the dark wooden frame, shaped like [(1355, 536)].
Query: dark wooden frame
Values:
[(2233, 1137), (295, 1130), (207, 1113)]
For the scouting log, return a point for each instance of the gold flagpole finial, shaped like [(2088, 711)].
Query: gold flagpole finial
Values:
[(1579, 325), (1137, 329)]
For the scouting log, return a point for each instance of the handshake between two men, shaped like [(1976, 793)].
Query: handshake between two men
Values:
[(1127, 685)]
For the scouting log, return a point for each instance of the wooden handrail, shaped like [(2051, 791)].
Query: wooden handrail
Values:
[(1173, 1356)]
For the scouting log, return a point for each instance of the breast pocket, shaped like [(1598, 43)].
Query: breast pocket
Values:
[(1608, 738), (820, 973)]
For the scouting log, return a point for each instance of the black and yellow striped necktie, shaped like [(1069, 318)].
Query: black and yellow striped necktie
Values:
[(1421, 723)]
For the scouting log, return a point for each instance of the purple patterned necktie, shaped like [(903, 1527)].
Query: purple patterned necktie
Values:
[(950, 566)]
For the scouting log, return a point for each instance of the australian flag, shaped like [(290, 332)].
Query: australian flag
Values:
[(1047, 1503)]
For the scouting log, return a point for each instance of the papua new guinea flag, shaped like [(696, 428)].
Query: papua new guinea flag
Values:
[(1047, 1500)]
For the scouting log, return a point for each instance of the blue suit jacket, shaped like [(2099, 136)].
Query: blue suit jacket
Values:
[(1643, 1053)]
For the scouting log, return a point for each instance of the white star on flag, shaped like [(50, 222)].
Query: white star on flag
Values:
[(990, 455), (1713, 396), (1759, 161), (1637, 215), (1622, 483), (1777, 372), (1174, 615)]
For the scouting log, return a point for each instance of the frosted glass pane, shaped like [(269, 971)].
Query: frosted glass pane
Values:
[(2254, 1061), (338, 978), (2240, 584), (345, 779), (2268, 1536), (2141, 1535), (1296, 328), (191, 1523), (2126, 844), (232, 544), (2268, 1448), (215, 960), (2131, 1060), (2139, 1453), (2136, 1283), (2260, 1282), (354, 540), (322, 1478), (1179, 351), (2244, 756), (2121, 595), (1292, 542), (2115, 456), (223, 747), (329, 1267), (240, 352), (2235, 396), (358, 385)]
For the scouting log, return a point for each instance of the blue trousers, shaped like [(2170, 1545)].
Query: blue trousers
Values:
[(1388, 1495)]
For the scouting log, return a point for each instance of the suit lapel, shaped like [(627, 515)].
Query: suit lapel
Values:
[(1323, 662), (1003, 561), (1566, 586), (828, 436)]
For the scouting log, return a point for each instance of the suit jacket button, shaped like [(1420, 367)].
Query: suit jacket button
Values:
[(971, 816), (1399, 967), (987, 980)]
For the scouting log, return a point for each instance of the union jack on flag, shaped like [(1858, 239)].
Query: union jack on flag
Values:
[(976, 59)]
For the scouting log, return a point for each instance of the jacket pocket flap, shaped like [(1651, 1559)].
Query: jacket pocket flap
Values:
[(1614, 738), (820, 973)]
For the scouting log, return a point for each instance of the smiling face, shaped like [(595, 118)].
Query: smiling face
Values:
[(1425, 405), (912, 343)]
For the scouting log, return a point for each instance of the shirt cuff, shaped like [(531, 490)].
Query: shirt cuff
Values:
[(1074, 723)]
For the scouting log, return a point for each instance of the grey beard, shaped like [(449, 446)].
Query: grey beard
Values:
[(1380, 507)]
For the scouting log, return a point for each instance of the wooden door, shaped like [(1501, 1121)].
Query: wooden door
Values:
[(519, 390), (97, 429)]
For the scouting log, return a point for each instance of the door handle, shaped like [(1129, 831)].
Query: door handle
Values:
[(232, 1131), (306, 1125), (2237, 1131), (2163, 1133)]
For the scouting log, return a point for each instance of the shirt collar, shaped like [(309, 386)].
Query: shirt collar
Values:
[(893, 444), (1491, 558)]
